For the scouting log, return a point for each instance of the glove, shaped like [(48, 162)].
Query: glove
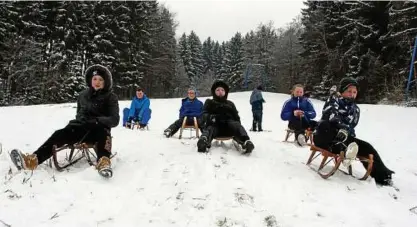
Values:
[(342, 135), (212, 118)]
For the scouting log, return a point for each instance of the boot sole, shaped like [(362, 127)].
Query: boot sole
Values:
[(106, 172), (201, 145), (17, 159)]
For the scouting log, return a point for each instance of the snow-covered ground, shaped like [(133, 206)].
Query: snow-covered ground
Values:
[(166, 182)]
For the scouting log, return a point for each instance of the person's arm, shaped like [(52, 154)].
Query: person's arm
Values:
[(286, 112), (145, 105), (310, 113), (112, 120)]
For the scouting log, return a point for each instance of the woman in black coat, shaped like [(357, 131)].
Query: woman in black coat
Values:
[(97, 113)]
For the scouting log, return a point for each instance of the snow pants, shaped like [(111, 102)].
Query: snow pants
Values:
[(229, 128), (71, 134)]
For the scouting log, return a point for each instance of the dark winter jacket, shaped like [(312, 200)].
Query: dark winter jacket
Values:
[(342, 113), (219, 110), (256, 100), (138, 106), (191, 108), (97, 107), (297, 103)]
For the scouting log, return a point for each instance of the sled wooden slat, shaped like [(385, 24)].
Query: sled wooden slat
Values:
[(81, 150), (185, 126), (337, 160)]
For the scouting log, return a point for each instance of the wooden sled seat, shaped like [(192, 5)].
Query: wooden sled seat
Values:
[(191, 127), (337, 160), (76, 153)]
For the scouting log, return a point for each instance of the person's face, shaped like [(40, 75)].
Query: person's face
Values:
[(139, 94), (298, 92), (350, 93), (220, 92), (191, 94), (97, 82)]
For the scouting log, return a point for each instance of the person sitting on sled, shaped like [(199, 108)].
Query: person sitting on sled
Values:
[(190, 107), (299, 112), (221, 119), (139, 111), (335, 131), (97, 113), (256, 101)]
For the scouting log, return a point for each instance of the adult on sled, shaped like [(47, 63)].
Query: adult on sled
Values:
[(190, 107), (299, 112), (221, 119), (256, 101), (336, 130), (139, 110), (97, 113)]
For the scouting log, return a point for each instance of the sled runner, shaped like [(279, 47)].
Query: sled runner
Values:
[(337, 160), (76, 153), (191, 127)]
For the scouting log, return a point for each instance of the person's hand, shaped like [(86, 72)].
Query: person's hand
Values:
[(342, 135), (298, 113)]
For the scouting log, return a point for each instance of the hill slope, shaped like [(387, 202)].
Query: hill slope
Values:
[(165, 182)]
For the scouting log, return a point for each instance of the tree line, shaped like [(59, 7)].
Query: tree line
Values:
[(46, 46)]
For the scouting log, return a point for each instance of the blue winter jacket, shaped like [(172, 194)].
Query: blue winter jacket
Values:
[(297, 103), (191, 108), (138, 106)]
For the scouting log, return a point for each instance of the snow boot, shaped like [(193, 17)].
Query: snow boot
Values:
[(167, 132), (301, 140), (248, 147), (350, 155), (24, 161), (202, 144), (104, 167)]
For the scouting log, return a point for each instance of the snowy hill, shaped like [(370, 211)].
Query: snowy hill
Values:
[(166, 182)]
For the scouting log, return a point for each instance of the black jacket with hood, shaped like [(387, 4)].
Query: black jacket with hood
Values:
[(219, 110), (97, 107)]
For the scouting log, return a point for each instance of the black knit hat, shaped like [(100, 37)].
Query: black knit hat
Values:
[(346, 82)]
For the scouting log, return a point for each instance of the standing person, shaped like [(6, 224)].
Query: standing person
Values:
[(190, 107), (299, 112), (221, 118), (336, 131), (256, 101), (139, 110), (97, 113)]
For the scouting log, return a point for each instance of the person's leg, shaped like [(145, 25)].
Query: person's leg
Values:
[(324, 135), (68, 135), (380, 172), (101, 137), (240, 135), (259, 119), (254, 121), (173, 128), (206, 138), (125, 117)]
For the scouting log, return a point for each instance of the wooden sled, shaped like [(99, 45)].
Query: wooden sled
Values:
[(76, 153), (308, 133), (191, 127), (220, 141), (337, 160)]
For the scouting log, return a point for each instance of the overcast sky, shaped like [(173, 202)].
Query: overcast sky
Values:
[(221, 19)]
